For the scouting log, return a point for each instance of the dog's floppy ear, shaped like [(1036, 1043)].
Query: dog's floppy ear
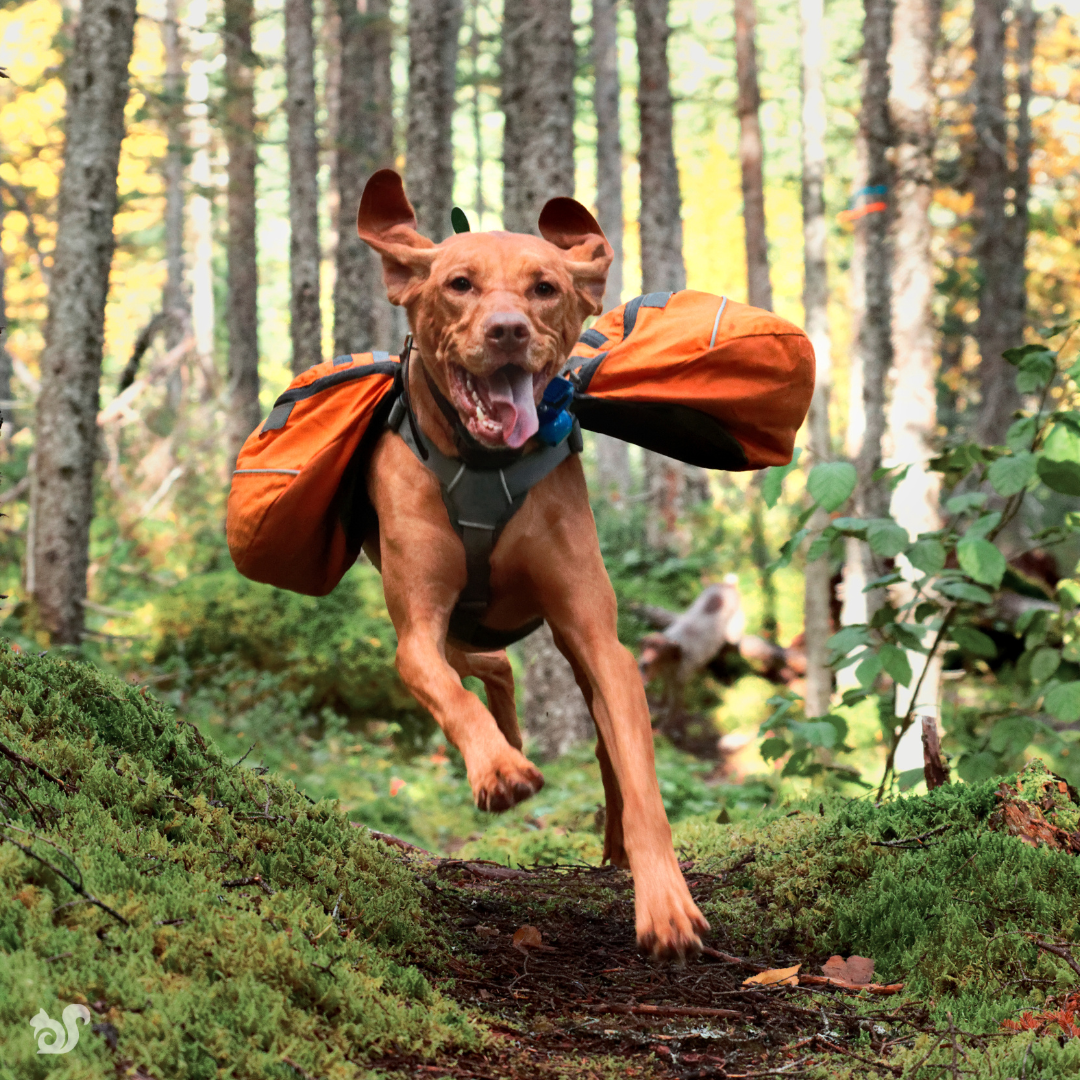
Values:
[(568, 225), (387, 222)]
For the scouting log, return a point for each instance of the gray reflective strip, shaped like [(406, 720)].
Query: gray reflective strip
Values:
[(460, 473), (502, 477), (286, 472), (716, 325), (475, 525)]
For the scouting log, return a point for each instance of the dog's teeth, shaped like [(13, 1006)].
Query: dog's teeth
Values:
[(480, 414)]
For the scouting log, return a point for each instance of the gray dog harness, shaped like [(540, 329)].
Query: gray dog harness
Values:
[(480, 501)]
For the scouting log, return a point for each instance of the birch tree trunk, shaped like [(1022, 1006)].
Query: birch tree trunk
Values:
[(305, 323), (612, 455), (200, 216), (538, 63), (477, 113), (175, 300), (751, 157), (243, 275), (912, 415), (8, 427), (365, 143), (815, 304), (429, 149), (1018, 224), (67, 431)]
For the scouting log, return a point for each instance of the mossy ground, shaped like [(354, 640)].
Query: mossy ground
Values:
[(269, 937)]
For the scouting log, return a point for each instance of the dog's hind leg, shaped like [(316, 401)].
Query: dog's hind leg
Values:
[(494, 671)]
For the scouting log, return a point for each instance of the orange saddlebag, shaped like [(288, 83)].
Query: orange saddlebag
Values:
[(696, 377), (299, 483)]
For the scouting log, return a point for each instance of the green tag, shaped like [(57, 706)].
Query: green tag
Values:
[(459, 221)]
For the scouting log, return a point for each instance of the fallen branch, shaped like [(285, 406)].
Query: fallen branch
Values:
[(716, 954), (12, 756), (256, 879), (1060, 950), (884, 1065), (659, 1010), (843, 984), (908, 841)]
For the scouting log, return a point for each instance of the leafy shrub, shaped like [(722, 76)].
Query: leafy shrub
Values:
[(287, 661)]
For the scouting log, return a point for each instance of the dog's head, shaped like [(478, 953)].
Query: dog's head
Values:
[(659, 657), (494, 315)]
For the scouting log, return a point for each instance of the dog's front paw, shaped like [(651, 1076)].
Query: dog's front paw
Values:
[(505, 781), (668, 921)]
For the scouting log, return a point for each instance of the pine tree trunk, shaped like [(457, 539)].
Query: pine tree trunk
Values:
[(1000, 324), (818, 594), (751, 157), (872, 266), (556, 716), (243, 275), (537, 71), (612, 455), (304, 253), (67, 431), (913, 412), (429, 150), (365, 143)]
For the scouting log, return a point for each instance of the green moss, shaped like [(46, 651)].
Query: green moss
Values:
[(314, 961)]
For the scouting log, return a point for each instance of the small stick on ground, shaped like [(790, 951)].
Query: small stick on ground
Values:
[(659, 1010)]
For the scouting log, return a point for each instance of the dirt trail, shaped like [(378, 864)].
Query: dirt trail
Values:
[(586, 1004)]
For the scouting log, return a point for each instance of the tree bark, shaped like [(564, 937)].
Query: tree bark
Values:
[(556, 716), (751, 157), (818, 594), (67, 432), (175, 303), (365, 143), (243, 275), (537, 70), (1000, 325), (912, 414), (429, 146), (477, 113), (612, 455), (304, 252), (872, 265), (8, 426)]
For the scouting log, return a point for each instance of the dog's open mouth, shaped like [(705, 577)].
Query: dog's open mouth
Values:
[(498, 409)]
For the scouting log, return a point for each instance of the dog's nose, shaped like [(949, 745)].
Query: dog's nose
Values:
[(507, 330)]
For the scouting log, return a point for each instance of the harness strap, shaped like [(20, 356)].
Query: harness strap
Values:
[(479, 503)]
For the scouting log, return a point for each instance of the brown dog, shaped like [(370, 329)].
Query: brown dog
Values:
[(494, 317)]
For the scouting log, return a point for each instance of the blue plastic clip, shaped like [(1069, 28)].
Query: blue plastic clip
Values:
[(555, 422)]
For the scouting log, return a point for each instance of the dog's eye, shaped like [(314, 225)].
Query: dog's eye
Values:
[(545, 288), (461, 284)]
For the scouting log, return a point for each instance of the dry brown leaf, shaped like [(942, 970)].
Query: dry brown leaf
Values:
[(486, 931), (775, 977), (526, 938), (856, 970)]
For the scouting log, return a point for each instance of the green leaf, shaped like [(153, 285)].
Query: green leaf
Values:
[(1063, 702), (831, 483), (848, 639), (927, 556), (895, 663), (886, 538), (963, 590), (1009, 475), (868, 671), (1044, 663), (815, 732), (907, 637), (909, 778), (788, 550), (981, 528), (774, 748), (1063, 476), (773, 484), (976, 767), (1070, 419), (963, 504), (797, 763), (1021, 352), (925, 610), (1046, 332), (1021, 434), (974, 642), (820, 545), (982, 561), (1013, 735), (854, 696), (884, 582), (884, 615), (839, 723), (850, 526), (1037, 369)]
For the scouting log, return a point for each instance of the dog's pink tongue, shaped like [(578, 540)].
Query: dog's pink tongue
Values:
[(511, 392)]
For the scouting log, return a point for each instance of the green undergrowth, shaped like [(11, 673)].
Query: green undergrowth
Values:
[(954, 915), (250, 927)]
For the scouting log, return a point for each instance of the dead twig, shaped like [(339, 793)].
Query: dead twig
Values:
[(884, 1065), (1059, 949), (716, 954), (257, 879), (908, 841), (659, 1010), (12, 756)]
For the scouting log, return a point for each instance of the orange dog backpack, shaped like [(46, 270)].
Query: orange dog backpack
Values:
[(695, 377)]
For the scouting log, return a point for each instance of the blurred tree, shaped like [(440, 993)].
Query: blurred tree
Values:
[(363, 143), (434, 26), (751, 157), (1001, 209), (912, 419), (304, 250), (612, 455), (243, 275), (872, 300), (537, 64), (818, 591), (67, 430)]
